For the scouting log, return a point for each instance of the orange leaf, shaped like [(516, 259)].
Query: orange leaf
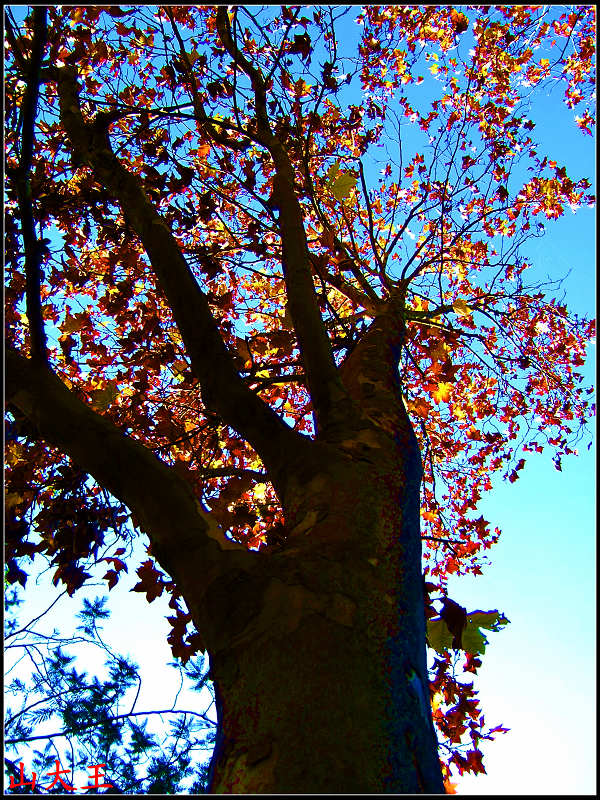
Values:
[(442, 393)]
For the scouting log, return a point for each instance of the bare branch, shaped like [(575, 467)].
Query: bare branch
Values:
[(202, 118)]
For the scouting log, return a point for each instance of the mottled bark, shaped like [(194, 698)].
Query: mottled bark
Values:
[(322, 686), (317, 647)]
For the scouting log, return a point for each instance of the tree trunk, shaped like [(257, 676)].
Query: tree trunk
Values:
[(317, 647), (318, 655)]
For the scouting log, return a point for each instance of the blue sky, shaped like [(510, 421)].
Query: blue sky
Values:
[(538, 673)]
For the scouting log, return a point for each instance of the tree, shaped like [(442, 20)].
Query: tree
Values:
[(97, 720), (287, 370)]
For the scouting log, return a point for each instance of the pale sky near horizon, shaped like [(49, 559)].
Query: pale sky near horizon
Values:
[(539, 673)]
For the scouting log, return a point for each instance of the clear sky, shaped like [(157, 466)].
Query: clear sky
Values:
[(538, 673)]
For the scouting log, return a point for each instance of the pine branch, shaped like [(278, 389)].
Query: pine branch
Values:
[(72, 732)]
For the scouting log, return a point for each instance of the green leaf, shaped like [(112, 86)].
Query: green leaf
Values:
[(473, 640), (340, 184), (332, 173), (343, 185), (490, 620), (438, 635), (103, 398)]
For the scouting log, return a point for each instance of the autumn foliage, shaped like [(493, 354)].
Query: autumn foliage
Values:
[(407, 136)]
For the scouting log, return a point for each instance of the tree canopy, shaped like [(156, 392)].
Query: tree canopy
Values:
[(212, 214)]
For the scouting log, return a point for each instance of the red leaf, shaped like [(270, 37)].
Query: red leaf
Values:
[(455, 617), (151, 581)]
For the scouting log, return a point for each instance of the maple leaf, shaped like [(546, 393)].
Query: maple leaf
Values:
[(457, 629), (302, 45), (111, 577), (103, 398), (473, 640), (441, 392), (459, 20), (13, 574), (474, 761), (343, 185), (438, 635), (151, 581), (72, 575), (339, 182), (455, 617), (75, 323)]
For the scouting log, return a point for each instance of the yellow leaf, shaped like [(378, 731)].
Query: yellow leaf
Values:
[(461, 307), (180, 365), (436, 701), (442, 393), (259, 492), (458, 412), (420, 407)]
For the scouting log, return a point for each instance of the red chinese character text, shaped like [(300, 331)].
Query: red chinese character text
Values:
[(22, 781), (96, 777), (58, 779)]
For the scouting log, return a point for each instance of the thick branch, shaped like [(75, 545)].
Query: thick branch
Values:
[(180, 530), (22, 177), (223, 390), (370, 371), (330, 401)]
